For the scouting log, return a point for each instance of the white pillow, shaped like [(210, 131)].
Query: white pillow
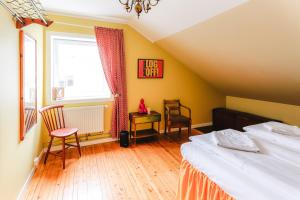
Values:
[(281, 128), (233, 139)]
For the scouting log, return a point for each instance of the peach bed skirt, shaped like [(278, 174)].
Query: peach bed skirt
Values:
[(195, 185)]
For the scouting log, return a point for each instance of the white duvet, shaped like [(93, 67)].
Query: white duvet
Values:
[(272, 174)]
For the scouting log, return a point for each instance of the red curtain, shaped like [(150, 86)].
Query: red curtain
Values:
[(111, 49)]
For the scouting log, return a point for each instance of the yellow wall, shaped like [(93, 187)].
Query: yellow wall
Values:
[(178, 81), (285, 112), (16, 158)]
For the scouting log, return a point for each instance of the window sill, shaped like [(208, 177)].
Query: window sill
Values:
[(77, 101)]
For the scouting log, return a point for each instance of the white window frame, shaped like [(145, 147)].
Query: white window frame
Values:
[(49, 71)]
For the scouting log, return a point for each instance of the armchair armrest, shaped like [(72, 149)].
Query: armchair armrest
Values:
[(168, 109), (189, 110)]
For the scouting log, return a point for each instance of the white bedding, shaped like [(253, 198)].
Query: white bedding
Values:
[(274, 173)]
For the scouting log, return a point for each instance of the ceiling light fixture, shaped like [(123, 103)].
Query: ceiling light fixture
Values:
[(139, 5)]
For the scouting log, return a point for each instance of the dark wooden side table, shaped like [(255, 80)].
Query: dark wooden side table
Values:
[(137, 118)]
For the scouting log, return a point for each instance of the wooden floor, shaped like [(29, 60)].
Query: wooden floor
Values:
[(149, 170)]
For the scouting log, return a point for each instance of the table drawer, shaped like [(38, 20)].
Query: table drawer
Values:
[(146, 119)]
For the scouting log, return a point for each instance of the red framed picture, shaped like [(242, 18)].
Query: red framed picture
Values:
[(150, 68)]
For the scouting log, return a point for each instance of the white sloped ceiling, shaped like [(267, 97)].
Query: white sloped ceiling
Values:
[(250, 51)]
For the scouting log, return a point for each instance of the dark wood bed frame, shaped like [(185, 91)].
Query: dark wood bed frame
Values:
[(224, 118)]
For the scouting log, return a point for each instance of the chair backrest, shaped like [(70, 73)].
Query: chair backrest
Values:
[(174, 104), (53, 117)]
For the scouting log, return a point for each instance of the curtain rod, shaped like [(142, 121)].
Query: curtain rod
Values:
[(71, 24)]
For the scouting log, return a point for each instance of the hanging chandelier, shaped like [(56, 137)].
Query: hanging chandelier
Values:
[(139, 5)]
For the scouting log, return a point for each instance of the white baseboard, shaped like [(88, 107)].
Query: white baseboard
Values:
[(193, 126), (31, 173), (100, 141), (84, 143), (202, 125)]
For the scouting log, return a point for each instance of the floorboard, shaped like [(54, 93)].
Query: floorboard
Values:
[(148, 170)]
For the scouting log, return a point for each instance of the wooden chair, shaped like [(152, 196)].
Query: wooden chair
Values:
[(53, 117), (174, 118)]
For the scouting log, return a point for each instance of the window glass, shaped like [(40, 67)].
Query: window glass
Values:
[(77, 72)]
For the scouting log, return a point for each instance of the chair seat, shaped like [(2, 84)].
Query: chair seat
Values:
[(179, 119), (64, 132)]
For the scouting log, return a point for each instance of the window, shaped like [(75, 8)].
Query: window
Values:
[(76, 70)]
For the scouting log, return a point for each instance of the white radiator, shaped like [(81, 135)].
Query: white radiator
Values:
[(88, 119)]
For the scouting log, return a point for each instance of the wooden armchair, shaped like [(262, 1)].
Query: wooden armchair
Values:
[(174, 118)]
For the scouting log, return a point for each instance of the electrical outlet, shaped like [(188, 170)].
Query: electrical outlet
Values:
[(36, 161)]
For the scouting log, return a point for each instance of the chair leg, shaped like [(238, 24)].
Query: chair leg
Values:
[(78, 145), (190, 130), (63, 151), (165, 127), (48, 150)]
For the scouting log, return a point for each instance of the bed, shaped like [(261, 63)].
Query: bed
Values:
[(210, 172)]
